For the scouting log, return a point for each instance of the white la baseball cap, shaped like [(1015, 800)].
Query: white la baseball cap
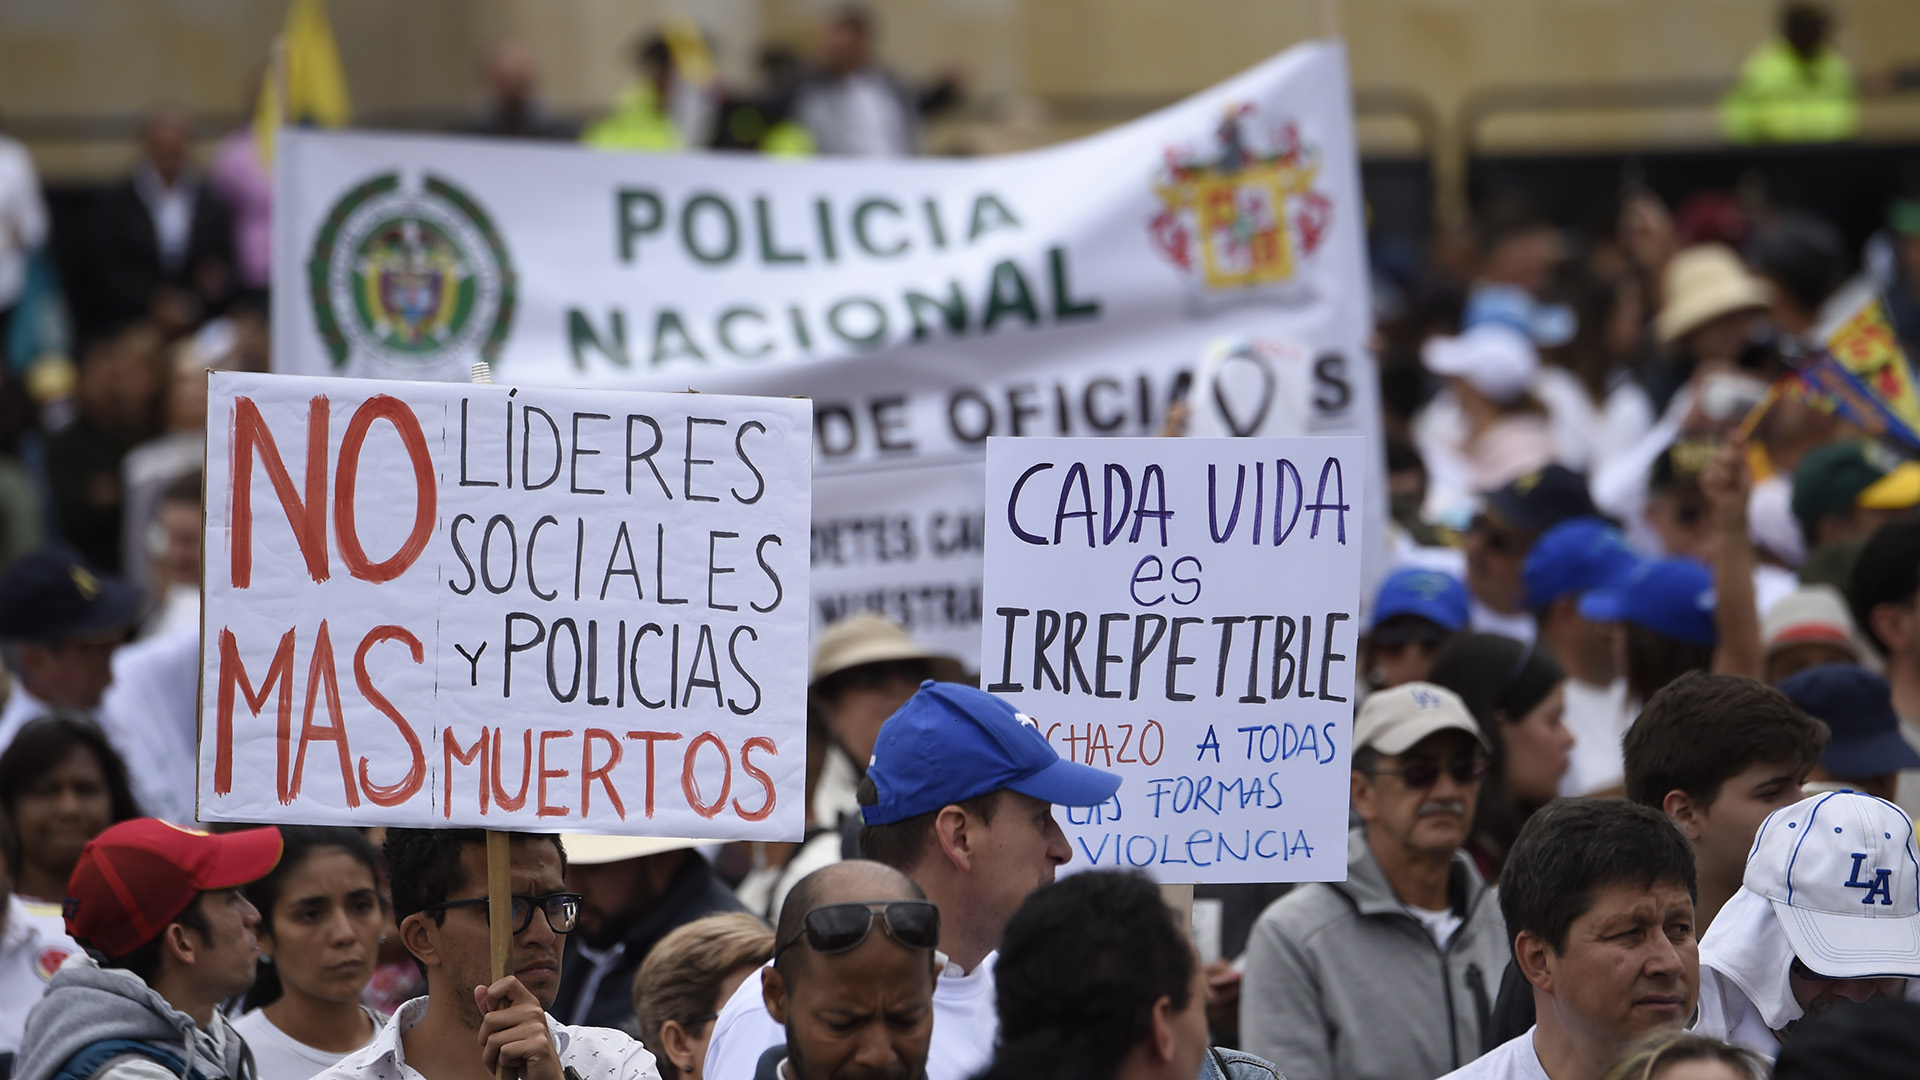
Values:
[(1841, 873)]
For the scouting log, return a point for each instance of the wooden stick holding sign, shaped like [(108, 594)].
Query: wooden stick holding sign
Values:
[(499, 865), (499, 911)]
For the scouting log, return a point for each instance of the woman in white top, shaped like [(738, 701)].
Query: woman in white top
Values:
[(320, 921)]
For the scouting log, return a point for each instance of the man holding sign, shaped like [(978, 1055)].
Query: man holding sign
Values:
[(468, 1026)]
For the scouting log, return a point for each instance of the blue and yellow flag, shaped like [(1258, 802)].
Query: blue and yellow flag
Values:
[(1861, 370)]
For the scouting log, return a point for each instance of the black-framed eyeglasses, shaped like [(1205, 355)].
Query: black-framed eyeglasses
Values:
[(562, 908), (1425, 774), (832, 928)]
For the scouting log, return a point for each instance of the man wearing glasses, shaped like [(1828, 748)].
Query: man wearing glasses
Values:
[(1828, 915), (853, 977), (468, 1024), (1390, 973)]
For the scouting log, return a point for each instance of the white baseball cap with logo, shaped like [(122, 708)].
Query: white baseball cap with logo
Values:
[(1841, 872), (1392, 721)]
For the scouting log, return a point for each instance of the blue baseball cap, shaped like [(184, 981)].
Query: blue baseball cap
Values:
[(1575, 556), (1671, 597), (1429, 594), (951, 742), (1857, 707)]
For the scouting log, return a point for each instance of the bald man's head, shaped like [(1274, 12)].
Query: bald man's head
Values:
[(865, 1006), (846, 882)]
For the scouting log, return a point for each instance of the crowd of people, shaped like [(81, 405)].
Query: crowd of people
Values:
[(1634, 757)]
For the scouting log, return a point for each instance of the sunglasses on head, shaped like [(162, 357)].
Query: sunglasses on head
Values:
[(1425, 774), (833, 928)]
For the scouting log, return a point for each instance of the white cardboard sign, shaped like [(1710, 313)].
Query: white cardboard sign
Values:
[(1183, 612), (504, 607)]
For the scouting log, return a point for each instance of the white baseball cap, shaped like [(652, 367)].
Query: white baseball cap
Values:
[(1495, 359), (1842, 875), (1392, 721)]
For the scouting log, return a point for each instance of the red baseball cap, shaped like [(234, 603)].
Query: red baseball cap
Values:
[(138, 876)]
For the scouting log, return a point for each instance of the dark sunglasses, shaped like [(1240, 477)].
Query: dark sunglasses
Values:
[(832, 928), (562, 908), (1425, 774), (1498, 540)]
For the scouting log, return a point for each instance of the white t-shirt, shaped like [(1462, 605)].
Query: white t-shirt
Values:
[(1515, 1059), (1441, 924), (279, 1056), (964, 1027), (1598, 718), (33, 945), (592, 1052)]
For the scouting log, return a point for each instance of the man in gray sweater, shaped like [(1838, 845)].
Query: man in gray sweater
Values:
[(1389, 974)]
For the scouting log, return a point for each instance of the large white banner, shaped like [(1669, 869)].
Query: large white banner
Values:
[(1183, 612), (504, 607), (924, 305)]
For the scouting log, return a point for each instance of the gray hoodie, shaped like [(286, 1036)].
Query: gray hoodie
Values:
[(86, 1004), (1344, 983)]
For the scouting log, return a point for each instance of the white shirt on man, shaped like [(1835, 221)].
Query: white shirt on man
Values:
[(1598, 718), (279, 1056), (592, 1052), (33, 945), (23, 218), (965, 1026), (1515, 1059)]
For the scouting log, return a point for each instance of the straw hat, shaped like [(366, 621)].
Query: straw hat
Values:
[(1701, 284), (867, 638), (584, 850)]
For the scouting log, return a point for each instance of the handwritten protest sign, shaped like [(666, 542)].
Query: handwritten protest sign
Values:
[(1181, 612), (510, 608)]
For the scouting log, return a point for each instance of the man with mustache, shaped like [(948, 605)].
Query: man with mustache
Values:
[(853, 977), (1828, 915), (469, 1024), (1598, 897), (1388, 974), (169, 937)]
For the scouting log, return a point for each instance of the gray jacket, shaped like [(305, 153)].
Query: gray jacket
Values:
[(1344, 983), (86, 1004)]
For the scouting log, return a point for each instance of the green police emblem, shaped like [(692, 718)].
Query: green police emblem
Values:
[(407, 278)]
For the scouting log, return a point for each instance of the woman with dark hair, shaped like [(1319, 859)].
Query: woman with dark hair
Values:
[(62, 784), (1516, 693), (320, 920), (1098, 979)]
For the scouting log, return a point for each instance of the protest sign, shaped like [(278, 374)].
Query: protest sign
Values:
[(504, 607), (925, 305), (1183, 612)]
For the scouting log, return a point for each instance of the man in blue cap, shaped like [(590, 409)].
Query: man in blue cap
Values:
[(1415, 614), (1568, 561), (62, 625), (1864, 749), (1510, 521), (959, 797)]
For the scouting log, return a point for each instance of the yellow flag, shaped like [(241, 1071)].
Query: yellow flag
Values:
[(266, 114), (316, 84)]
